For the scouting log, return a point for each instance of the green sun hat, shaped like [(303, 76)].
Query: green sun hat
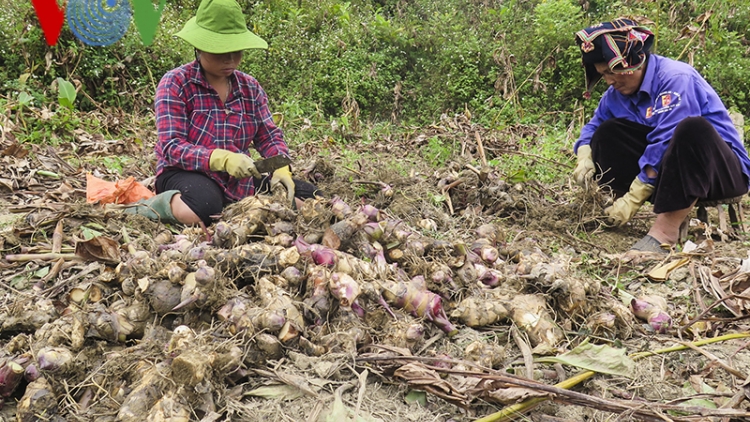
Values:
[(219, 27)]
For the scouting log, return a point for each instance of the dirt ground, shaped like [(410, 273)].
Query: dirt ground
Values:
[(336, 365)]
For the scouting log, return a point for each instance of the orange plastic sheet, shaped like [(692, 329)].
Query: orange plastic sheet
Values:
[(120, 192)]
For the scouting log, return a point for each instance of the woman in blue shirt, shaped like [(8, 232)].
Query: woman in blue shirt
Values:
[(659, 133)]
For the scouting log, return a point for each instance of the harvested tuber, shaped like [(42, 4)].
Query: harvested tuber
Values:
[(404, 334), (481, 310), (169, 409), (144, 394), (191, 367), (243, 315), (164, 296), (183, 338), (37, 400), (275, 298), (488, 355), (318, 302), (11, 375), (530, 313), (344, 288), (652, 309), (340, 261), (69, 330), (420, 302), (339, 234), (29, 318), (340, 208), (264, 347), (54, 359)]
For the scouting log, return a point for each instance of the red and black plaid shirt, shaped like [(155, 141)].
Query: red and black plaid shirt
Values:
[(191, 122)]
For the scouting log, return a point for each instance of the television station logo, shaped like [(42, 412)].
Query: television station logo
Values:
[(99, 22)]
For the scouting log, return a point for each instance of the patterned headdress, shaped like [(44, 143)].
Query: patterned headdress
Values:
[(621, 43)]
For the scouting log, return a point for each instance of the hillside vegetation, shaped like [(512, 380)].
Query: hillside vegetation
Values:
[(389, 60)]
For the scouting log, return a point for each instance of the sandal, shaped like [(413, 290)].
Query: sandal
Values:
[(649, 244)]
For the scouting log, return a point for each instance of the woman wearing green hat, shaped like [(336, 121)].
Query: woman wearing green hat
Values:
[(208, 116)]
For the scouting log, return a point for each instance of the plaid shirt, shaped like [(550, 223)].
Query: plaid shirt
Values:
[(191, 122)]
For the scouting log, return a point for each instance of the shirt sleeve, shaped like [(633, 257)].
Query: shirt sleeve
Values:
[(173, 146), (601, 114), (269, 138), (678, 97)]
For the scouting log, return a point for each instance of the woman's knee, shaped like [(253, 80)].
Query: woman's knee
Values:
[(605, 135), (693, 129), (182, 212), (204, 205)]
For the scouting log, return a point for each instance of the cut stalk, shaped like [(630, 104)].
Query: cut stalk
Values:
[(24, 257)]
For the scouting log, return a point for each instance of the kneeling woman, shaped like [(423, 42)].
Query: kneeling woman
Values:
[(208, 116)]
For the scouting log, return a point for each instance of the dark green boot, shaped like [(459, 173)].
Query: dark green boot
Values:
[(156, 208)]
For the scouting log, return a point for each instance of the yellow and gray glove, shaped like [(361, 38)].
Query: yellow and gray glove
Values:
[(237, 164), (584, 171), (624, 208), (284, 176)]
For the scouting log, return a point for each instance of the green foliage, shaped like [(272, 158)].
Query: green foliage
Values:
[(538, 159), (115, 163), (437, 152), (397, 60), (66, 95)]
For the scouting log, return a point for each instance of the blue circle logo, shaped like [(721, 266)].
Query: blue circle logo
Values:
[(99, 22)]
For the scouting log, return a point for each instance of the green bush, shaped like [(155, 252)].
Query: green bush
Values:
[(377, 60)]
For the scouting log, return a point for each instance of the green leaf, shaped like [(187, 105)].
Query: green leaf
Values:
[(89, 233), (519, 176), (689, 390), (416, 396), (18, 282), (40, 273), (603, 359), (24, 98), (66, 93)]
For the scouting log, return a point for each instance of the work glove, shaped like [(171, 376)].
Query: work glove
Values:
[(584, 171), (624, 208), (284, 176), (237, 164)]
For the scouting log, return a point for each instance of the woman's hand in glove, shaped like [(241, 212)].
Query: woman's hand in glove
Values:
[(284, 176)]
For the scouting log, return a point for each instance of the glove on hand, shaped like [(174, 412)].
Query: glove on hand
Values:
[(237, 164), (284, 176), (584, 171), (625, 207)]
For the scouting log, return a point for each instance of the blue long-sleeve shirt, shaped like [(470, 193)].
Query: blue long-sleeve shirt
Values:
[(670, 91)]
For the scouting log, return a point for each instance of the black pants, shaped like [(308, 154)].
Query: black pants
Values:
[(206, 198), (698, 163)]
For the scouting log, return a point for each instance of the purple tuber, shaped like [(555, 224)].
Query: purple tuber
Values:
[(420, 303), (53, 358), (11, 374), (372, 213), (340, 208), (344, 288), (651, 310)]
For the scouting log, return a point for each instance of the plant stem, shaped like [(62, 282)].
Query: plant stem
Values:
[(41, 256)]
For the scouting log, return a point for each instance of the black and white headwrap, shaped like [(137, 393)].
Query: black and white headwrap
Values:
[(621, 43)]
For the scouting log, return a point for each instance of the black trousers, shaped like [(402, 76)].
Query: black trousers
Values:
[(206, 198), (698, 163)]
